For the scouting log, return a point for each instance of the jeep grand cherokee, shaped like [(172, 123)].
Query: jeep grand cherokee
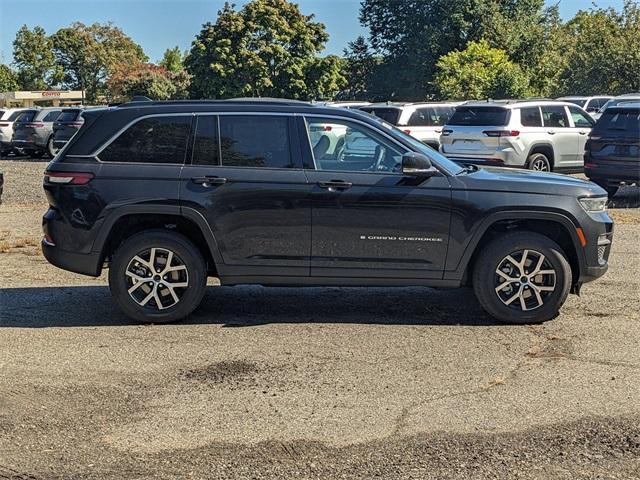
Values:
[(166, 194)]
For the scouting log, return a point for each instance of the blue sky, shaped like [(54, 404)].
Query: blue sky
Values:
[(161, 24)]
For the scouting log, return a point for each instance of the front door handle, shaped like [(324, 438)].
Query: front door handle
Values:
[(582, 133), (207, 181), (335, 185)]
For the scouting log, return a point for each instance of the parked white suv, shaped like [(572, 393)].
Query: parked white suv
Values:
[(423, 121), (7, 117), (540, 135)]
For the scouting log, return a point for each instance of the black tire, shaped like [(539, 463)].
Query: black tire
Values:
[(486, 279), (538, 162), (51, 149), (184, 253), (35, 153)]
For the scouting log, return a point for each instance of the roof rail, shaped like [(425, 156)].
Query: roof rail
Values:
[(142, 101)]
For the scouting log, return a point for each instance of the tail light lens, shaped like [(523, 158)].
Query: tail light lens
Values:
[(76, 124), (408, 132), (501, 133), (34, 125), (68, 178)]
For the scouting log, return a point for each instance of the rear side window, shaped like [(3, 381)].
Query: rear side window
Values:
[(554, 116), (480, 116), (625, 121), (51, 116), (151, 140), (390, 115), (26, 117), (255, 141), (430, 117), (530, 117), (205, 147), (69, 116)]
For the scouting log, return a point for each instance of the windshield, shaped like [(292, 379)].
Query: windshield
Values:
[(619, 101)]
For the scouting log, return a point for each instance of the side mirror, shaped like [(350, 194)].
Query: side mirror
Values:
[(416, 164)]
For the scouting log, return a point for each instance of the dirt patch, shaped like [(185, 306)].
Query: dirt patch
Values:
[(232, 373)]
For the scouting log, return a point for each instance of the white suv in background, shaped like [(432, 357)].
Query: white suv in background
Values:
[(541, 135), (589, 104), (423, 121), (7, 117)]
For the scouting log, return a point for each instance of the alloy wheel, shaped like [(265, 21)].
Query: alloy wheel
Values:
[(540, 164), (156, 278), (524, 280)]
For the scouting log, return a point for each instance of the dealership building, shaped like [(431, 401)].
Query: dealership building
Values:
[(54, 98)]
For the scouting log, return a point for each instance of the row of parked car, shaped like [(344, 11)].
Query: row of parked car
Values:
[(37, 131)]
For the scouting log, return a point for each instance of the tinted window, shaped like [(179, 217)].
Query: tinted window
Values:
[(419, 118), (26, 116), (623, 121), (554, 116), (530, 117), (580, 120), (430, 116), (51, 116), (68, 116), (479, 116), (15, 115), (1, 113), (255, 141), (205, 148), (351, 147), (391, 115), (151, 140)]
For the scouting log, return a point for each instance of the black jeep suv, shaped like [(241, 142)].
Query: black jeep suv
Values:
[(279, 193)]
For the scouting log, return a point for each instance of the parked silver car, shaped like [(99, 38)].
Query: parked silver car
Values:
[(541, 135), (7, 117), (423, 121), (33, 131)]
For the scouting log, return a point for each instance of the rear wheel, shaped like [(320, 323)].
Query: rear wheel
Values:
[(538, 162), (522, 277), (51, 149), (35, 153), (157, 277)]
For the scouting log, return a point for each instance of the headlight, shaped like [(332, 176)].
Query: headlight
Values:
[(593, 204)]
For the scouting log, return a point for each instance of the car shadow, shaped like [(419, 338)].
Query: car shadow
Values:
[(247, 306), (627, 197)]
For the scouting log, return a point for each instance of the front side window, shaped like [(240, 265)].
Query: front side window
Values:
[(530, 117), (348, 146), (554, 116), (151, 140), (580, 120), (255, 141)]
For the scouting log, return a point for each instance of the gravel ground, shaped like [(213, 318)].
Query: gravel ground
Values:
[(311, 383)]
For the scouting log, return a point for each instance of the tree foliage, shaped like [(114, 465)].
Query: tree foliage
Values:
[(33, 58), (172, 60), (153, 81), (8, 79), (268, 48), (89, 54), (480, 72)]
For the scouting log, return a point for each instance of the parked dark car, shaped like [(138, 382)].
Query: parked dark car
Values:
[(612, 152), (33, 132), (66, 126), (167, 194)]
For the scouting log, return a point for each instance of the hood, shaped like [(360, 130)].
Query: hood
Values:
[(529, 181)]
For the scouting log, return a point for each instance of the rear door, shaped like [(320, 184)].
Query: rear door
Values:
[(559, 133), (245, 178)]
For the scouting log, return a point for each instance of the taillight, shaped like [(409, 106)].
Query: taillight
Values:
[(5, 124), (595, 137), (590, 165), (446, 132), (68, 178), (501, 133), (76, 124), (408, 132), (34, 125)]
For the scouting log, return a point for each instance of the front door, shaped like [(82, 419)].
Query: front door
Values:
[(582, 125), (246, 179), (368, 220)]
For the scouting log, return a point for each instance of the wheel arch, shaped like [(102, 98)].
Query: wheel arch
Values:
[(544, 148), (132, 219)]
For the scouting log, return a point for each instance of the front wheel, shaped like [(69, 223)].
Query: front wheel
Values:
[(522, 277), (157, 277)]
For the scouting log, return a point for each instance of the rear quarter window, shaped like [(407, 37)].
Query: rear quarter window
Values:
[(51, 116), (479, 116), (151, 140), (530, 117), (24, 117)]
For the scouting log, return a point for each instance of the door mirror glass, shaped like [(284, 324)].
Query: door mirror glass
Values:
[(417, 165)]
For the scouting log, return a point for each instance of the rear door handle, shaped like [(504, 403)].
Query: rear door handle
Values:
[(207, 181), (551, 132), (334, 185)]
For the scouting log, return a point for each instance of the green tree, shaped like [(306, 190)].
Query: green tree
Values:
[(479, 72), (360, 68), (153, 81), (268, 48), (33, 58), (89, 54), (411, 35), (602, 52), (8, 79), (172, 60)]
